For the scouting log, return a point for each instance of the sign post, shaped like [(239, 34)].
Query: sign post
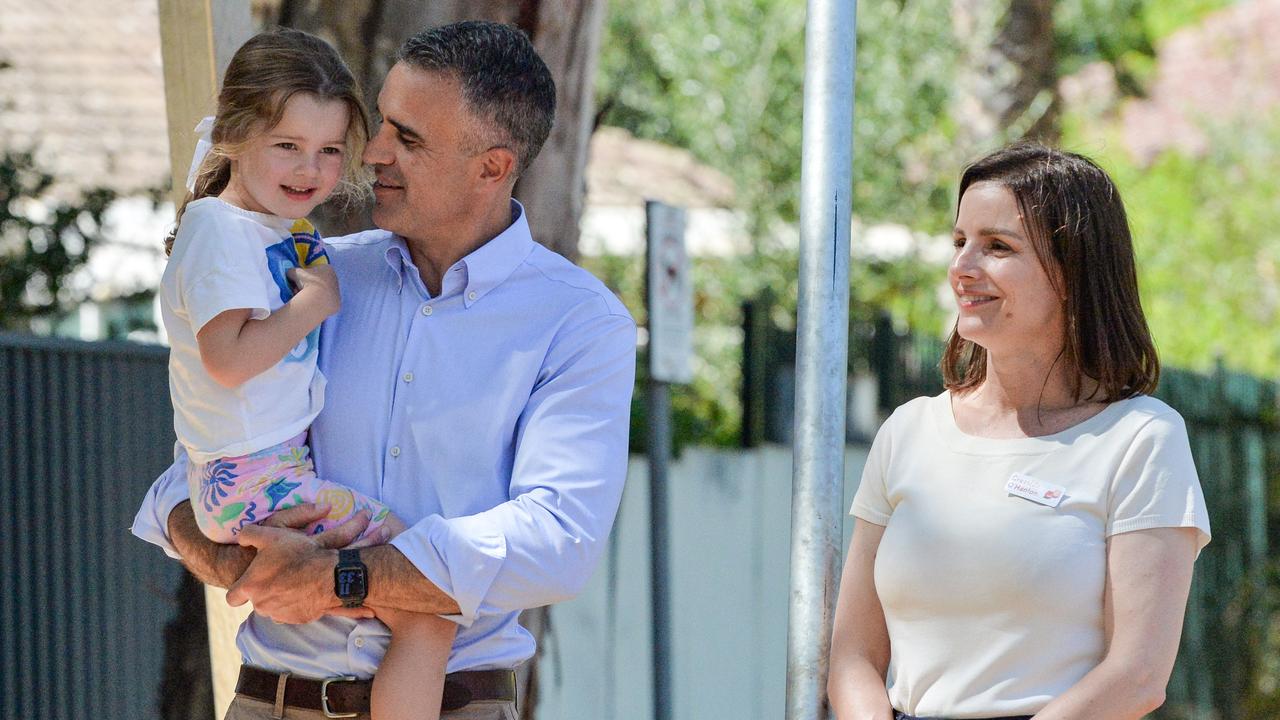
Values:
[(669, 297)]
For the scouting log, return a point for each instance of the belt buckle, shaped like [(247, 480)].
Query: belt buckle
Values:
[(324, 697)]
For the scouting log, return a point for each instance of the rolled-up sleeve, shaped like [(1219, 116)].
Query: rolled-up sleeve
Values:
[(570, 463), (167, 492)]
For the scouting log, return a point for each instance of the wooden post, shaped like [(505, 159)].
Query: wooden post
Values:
[(197, 40)]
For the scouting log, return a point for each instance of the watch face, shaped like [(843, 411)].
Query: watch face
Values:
[(351, 582)]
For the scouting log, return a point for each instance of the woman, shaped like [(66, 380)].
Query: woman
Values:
[(1024, 541)]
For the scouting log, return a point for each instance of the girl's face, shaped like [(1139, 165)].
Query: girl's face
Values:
[(1005, 299), (291, 168)]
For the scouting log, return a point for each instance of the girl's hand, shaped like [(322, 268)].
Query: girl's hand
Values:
[(393, 525), (319, 282)]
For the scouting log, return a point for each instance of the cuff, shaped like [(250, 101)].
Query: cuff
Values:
[(461, 556), (152, 521)]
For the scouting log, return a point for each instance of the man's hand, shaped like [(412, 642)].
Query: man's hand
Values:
[(221, 565), (290, 578)]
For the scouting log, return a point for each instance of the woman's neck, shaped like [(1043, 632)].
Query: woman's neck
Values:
[(1026, 394)]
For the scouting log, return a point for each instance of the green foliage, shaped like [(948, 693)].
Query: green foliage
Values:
[(708, 411), (41, 241), (1207, 237), (1123, 33), (725, 81)]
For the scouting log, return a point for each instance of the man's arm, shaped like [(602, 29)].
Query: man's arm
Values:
[(212, 563), (542, 545), (538, 548), (291, 578), (165, 519)]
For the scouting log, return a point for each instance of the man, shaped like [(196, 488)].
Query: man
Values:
[(478, 384)]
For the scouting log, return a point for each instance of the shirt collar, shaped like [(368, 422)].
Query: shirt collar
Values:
[(493, 262), (486, 267)]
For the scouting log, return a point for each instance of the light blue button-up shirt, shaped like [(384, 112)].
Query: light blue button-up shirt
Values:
[(493, 419)]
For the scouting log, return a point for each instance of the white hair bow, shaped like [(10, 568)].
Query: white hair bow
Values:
[(204, 143)]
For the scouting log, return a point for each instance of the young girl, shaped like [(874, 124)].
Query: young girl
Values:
[(245, 290)]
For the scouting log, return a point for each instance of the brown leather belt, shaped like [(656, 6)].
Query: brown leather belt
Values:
[(348, 697)]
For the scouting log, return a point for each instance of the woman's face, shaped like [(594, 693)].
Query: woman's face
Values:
[(1005, 300)]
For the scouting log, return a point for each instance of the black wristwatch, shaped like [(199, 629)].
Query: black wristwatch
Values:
[(350, 579)]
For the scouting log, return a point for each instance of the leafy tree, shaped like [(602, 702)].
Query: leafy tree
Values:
[(42, 242)]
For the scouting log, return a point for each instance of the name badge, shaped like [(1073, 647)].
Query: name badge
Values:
[(1035, 490)]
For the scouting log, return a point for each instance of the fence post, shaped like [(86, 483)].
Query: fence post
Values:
[(755, 370)]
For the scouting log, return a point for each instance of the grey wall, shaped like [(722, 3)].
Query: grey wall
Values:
[(730, 550)]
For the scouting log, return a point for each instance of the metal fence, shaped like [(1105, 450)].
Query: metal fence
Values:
[(84, 429), (1227, 665)]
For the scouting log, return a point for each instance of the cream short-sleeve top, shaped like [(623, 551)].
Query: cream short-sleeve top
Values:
[(994, 601)]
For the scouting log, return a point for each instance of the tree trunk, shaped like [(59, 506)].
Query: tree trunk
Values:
[(1008, 87), (566, 34)]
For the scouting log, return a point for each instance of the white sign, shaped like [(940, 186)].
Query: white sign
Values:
[(670, 295)]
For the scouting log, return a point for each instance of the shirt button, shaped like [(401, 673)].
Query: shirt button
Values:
[(395, 451), (471, 295), (408, 377), (426, 309), (359, 642)]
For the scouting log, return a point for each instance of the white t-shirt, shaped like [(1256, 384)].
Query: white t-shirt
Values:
[(994, 602), (226, 258)]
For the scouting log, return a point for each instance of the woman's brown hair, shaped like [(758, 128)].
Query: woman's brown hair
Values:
[(265, 72), (1078, 227)]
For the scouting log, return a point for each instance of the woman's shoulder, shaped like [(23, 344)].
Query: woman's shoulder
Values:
[(1145, 408), (915, 414), (1143, 416), (916, 408)]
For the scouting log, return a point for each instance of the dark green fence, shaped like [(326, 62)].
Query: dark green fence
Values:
[(1229, 663), (84, 429)]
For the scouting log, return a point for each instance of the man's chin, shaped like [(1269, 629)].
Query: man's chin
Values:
[(383, 218)]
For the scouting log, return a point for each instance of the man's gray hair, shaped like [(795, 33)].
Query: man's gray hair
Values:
[(504, 82)]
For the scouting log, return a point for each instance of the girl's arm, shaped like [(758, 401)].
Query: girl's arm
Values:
[(235, 348), (860, 639), (1148, 581)]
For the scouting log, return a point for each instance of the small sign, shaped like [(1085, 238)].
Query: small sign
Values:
[(669, 294)]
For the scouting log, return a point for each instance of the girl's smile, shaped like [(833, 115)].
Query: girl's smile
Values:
[(291, 168)]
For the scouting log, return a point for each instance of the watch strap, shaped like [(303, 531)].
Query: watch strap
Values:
[(349, 561)]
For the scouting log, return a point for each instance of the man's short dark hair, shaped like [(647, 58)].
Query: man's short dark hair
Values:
[(504, 81)]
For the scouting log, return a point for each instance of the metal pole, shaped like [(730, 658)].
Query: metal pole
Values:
[(821, 351), (659, 446)]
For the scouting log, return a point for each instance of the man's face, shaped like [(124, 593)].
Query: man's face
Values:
[(425, 178)]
